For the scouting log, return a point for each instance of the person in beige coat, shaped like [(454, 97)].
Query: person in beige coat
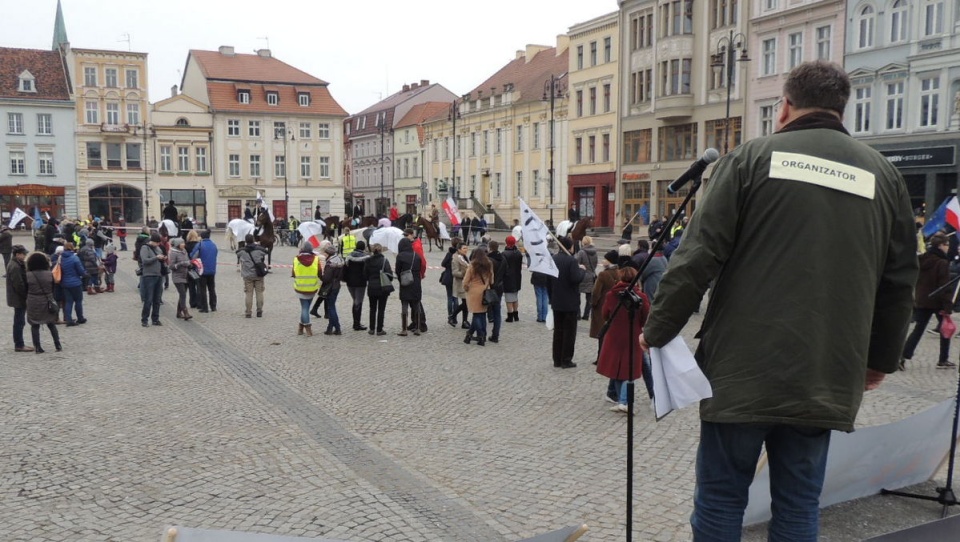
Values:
[(458, 267), (478, 277)]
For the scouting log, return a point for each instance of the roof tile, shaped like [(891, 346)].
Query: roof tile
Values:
[(250, 68), (223, 97), (46, 68)]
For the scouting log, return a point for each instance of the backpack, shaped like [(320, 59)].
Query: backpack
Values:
[(259, 267)]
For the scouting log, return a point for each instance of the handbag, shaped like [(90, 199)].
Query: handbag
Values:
[(192, 274), (947, 327), (386, 279), (406, 277), (57, 273), (490, 297), (52, 306)]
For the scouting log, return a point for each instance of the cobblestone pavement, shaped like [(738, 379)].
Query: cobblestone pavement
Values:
[(234, 423)]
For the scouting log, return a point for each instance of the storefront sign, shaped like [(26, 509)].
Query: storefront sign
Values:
[(634, 176), (922, 157), (32, 190)]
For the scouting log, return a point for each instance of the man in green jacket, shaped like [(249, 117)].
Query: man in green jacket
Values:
[(809, 236)]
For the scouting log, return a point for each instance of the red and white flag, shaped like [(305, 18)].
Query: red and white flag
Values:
[(312, 232), (453, 213), (953, 213)]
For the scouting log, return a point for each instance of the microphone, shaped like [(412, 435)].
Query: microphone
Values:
[(696, 170)]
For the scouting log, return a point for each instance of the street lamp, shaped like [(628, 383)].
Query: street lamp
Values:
[(453, 114), (287, 135), (553, 88), (382, 206), (727, 47)]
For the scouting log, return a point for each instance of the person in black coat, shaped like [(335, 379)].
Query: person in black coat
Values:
[(565, 301), (446, 278), (512, 279), (375, 291), (356, 280), (494, 314), (412, 294), (51, 235), (170, 213)]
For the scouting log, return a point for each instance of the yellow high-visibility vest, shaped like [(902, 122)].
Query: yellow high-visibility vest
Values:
[(349, 243), (305, 279)]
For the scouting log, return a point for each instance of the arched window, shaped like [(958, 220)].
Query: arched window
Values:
[(183, 122), (898, 21), (865, 24)]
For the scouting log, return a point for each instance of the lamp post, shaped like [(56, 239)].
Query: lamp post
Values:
[(453, 115), (727, 47), (287, 135), (553, 88), (382, 206)]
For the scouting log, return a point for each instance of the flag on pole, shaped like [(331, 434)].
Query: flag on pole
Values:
[(953, 213), (17, 216), (37, 219), (938, 220), (453, 213), (312, 232), (535, 235), (263, 205)]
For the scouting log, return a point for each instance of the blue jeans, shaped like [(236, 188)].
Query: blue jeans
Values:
[(72, 295), (305, 311), (494, 312), (330, 306), (478, 325), (151, 288), (452, 303), (19, 322), (726, 462), (543, 301), (620, 386)]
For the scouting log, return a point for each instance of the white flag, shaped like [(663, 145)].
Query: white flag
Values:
[(535, 235), (18, 215)]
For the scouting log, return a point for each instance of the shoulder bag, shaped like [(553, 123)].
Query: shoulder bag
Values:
[(52, 306), (57, 272), (490, 296), (386, 279), (406, 276)]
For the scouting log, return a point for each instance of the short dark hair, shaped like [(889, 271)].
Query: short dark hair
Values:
[(643, 244), (818, 84), (938, 239), (205, 234), (248, 239), (494, 246), (155, 237)]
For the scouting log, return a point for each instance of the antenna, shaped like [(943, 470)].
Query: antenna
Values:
[(266, 39), (125, 37)]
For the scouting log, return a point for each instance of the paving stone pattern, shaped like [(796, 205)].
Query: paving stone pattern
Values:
[(233, 423)]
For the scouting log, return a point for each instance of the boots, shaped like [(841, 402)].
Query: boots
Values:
[(481, 341), (186, 314), (56, 337), (179, 313), (91, 290), (357, 326), (403, 332), (110, 288), (100, 289), (468, 338), (509, 317), (516, 316), (299, 329), (308, 328)]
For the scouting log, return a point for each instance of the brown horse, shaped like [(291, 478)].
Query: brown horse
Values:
[(266, 237), (334, 227), (580, 230), (365, 222), (433, 236)]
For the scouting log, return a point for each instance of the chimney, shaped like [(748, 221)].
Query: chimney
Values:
[(173, 91), (264, 53), (414, 86), (563, 43), (406, 88), (226, 50), (424, 82)]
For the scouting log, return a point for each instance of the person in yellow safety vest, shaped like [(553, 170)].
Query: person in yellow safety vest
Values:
[(306, 282), (348, 243), (677, 226), (294, 235)]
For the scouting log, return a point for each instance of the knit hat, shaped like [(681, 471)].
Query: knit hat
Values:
[(511, 241), (612, 256), (176, 241), (110, 249), (20, 249), (330, 249)]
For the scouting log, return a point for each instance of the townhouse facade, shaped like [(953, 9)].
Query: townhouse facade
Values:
[(500, 147), (782, 34), (594, 92), (371, 134), (37, 140), (275, 132), (410, 184), (904, 63), (181, 137), (674, 104)]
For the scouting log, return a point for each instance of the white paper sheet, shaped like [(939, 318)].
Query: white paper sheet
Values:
[(677, 379)]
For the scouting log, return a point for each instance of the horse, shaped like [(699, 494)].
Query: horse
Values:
[(333, 223), (403, 221), (265, 236), (433, 236), (579, 230)]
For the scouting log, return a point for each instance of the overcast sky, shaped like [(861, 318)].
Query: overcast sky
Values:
[(365, 49)]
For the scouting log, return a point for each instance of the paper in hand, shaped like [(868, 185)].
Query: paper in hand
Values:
[(677, 379)]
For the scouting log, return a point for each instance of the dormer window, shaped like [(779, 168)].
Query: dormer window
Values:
[(273, 98), (27, 82), (182, 122), (304, 99), (243, 96)]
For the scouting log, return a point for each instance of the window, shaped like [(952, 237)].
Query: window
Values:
[(519, 184), (641, 31), (769, 4), (638, 146), (45, 162), (113, 113), (676, 77), (640, 84), (133, 78), (15, 123), (201, 153), (305, 130), (593, 53), (303, 99), (415, 170), (929, 101), (519, 138), (861, 109), (486, 143), (255, 166), (27, 83), (606, 147), (795, 41), (133, 155), (233, 165), (579, 103), (93, 156), (536, 182), (769, 53), (253, 128), (323, 130), (579, 57), (497, 186), (607, 50), (92, 110), (932, 18), (133, 114), (678, 142), (578, 153), (592, 149), (718, 136), (446, 148), (606, 98), (499, 136), (473, 143), (766, 120), (536, 135), (111, 77), (233, 127), (89, 76), (324, 167), (304, 167), (279, 166), (114, 158), (898, 21), (718, 13), (823, 43), (895, 105), (273, 98), (166, 158), (677, 17), (183, 159), (243, 96), (865, 23), (593, 100), (279, 130), (17, 163)]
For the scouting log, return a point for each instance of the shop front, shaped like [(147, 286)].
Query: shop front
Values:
[(189, 202), (48, 199), (593, 195), (929, 168), (117, 200)]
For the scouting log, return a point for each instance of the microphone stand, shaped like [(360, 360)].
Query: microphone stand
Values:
[(633, 302)]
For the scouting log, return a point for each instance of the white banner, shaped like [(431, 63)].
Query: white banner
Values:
[(535, 234), (17, 216)]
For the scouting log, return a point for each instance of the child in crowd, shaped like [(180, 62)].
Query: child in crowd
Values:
[(110, 265)]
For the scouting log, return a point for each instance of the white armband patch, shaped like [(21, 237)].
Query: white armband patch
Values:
[(826, 173)]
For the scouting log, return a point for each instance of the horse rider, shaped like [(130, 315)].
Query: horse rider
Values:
[(573, 214), (170, 212), (435, 217), (357, 211), (248, 214), (317, 215)]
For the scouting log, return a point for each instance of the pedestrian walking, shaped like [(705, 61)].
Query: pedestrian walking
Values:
[(71, 284), (495, 310), (40, 300), (306, 283), (6, 245), (330, 288), (459, 266), (193, 283), (934, 275), (253, 269), (408, 266), (565, 302), (615, 361), (447, 280), (587, 258), (179, 264), (16, 278), (477, 279), (207, 252), (606, 279)]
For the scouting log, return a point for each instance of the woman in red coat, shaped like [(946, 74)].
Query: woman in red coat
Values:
[(614, 362)]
